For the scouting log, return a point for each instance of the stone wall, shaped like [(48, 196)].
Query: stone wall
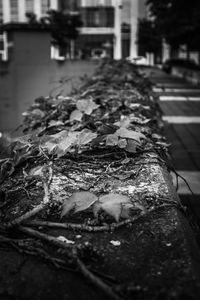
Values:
[(31, 73)]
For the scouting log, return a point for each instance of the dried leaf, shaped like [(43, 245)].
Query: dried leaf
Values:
[(56, 138), (79, 201), (65, 144), (131, 146), (111, 140), (61, 142), (37, 171), (124, 122), (86, 106), (76, 115), (38, 112), (106, 129), (86, 136), (113, 204), (50, 146), (125, 213), (122, 143), (130, 134)]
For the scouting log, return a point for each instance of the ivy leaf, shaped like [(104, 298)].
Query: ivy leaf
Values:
[(112, 140), (50, 146), (131, 146), (106, 129), (130, 134), (122, 143), (79, 201), (37, 171), (124, 122), (76, 115), (65, 144), (86, 136), (57, 137), (61, 142), (86, 106), (113, 204), (125, 213), (38, 112)]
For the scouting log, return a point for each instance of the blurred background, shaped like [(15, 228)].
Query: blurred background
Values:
[(46, 45)]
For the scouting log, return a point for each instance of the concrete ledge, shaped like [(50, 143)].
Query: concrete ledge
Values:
[(153, 257), (157, 258)]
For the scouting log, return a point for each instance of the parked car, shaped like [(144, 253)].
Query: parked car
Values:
[(179, 62), (138, 60)]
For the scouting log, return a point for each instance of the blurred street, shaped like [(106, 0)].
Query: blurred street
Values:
[(180, 103)]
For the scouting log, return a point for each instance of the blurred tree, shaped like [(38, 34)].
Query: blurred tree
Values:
[(64, 29), (177, 21), (148, 37)]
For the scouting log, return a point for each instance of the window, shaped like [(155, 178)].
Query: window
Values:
[(45, 4), (14, 10), (98, 17), (29, 6)]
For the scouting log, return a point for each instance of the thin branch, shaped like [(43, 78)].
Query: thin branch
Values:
[(88, 228), (32, 212), (73, 254), (26, 216), (96, 281), (178, 175)]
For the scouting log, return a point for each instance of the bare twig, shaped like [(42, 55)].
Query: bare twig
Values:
[(34, 211), (96, 281), (46, 183), (89, 228), (177, 176), (72, 254), (26, 216)]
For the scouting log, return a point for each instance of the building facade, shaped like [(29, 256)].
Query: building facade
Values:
[(14, 11), (101, 34)]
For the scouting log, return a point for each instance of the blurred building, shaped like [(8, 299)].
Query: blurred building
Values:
[(12, 11), (109, 26), (29, 69)]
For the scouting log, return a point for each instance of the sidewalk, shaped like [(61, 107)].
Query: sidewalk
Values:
[(180, 103)]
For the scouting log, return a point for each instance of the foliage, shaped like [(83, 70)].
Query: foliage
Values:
[(177, 21), (64, 27), (148, 37), (115, 205), (114, 115)]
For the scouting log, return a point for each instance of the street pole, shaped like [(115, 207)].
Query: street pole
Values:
[(165, 50), (134, 26), (117, 30)]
